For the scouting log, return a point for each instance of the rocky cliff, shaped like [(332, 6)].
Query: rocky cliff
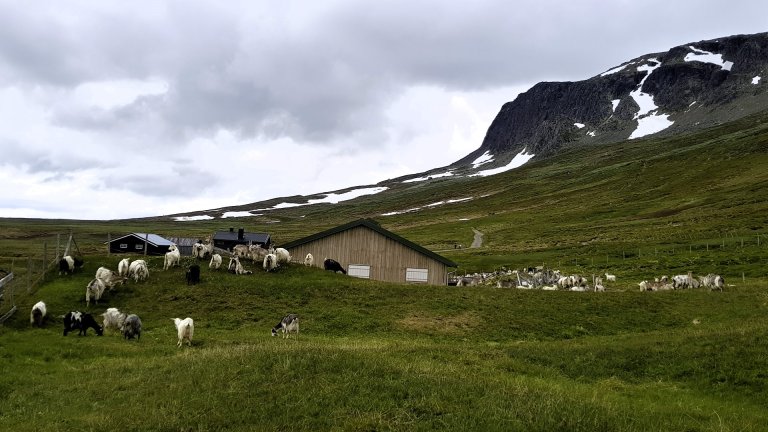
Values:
[(689, 87)]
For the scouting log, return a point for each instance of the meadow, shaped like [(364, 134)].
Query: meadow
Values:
[(378, 356)]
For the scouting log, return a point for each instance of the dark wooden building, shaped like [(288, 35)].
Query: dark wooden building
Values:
[(229, 239), (134, 243), (367, 250)]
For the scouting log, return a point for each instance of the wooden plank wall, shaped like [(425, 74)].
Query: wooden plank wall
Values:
[(361, 245)]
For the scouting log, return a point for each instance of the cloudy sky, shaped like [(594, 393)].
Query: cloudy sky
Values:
[(113, 109)]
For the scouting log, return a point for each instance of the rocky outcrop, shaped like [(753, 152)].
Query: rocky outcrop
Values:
[(689, 87)]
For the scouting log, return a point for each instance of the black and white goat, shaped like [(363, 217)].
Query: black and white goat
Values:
[(289, 323), (76, 320), (68, 264), (37, 314)]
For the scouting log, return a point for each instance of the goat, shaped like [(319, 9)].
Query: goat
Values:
[(76, 320), (172, 257), (193, 275), (240, 251), (131, 327), (333, 265), (257, 253), (68, 264), (37, 314), (185, 328), (122, 267), (712, 281), (215, 262), (610, 277), (309, 260), (289, 323), (270, 262), (95, 289), (113, 318), (109, 277), (283, 256), (237, 268), (138, 270)]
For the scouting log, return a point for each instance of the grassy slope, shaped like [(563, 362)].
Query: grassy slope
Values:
[(383, 356)]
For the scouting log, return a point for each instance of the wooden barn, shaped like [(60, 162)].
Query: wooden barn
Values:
[(229, 239), (134, 243), (367, 250)]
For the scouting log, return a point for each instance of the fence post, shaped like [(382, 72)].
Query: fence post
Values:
[(29, 275), (109, 244), (58, 245), (146, 240)]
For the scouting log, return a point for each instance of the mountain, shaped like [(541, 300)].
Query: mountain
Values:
[(688, 88)]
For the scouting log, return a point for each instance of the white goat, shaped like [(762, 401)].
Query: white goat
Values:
[(94, 289), (172, 257), (122, 267), (283, 256), (37, 314), (309, 260), (610, 277), (270, 262), (113, 318), (215, 262), (138, 270), (240, 251), (257, 253), (185, 328), (109, 277)]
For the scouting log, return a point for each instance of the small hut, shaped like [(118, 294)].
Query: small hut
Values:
[(229, 239), (135, 243)]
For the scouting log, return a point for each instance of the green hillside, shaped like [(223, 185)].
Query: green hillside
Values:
[(376, 356)]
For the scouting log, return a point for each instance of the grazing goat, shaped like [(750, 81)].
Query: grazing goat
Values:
[(172, 257), (283, 256), (68, 264), (109, 277), (215, 262), (131, 327), (76, 320), (240, 251), (289, 323), (610, 277), (122, 267), (333, 265), (186, 328), (257, 253), (270, 262), (113, 318), (37, 314), (712, 281), (193, 275), (138, 270), (309, 260), (95, 289), (599, 284)]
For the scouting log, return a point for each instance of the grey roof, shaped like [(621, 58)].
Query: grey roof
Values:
[(153, 239), (247, 237), (184, 241)]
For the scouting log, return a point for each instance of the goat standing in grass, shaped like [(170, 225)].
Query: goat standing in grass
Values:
[(185, 328), (289, 323)]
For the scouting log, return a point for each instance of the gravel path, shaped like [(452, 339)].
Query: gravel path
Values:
[(478, 241)]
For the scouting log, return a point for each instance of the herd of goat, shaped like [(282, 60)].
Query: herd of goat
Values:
[(129, 325), (552, 280)]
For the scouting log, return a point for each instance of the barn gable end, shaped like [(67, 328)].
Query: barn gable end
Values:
[(367, 250)]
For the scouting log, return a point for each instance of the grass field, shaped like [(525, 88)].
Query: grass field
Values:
[(375, 356)]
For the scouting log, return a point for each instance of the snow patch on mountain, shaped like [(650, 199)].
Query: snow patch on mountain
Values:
[(708, 57), (519, 160), (429, 177), (648, 120)]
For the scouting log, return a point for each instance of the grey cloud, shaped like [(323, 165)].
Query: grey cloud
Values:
[(317, 73)]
